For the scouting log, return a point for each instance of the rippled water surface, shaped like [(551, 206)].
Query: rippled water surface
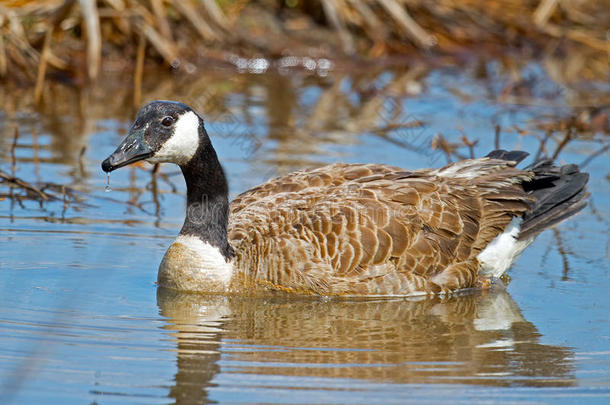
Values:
[(81, 320)]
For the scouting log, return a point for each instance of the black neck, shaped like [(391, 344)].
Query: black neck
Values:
[(207, 207)]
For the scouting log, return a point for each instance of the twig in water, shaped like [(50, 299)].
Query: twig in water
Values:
[(166, 179), (563, 143), (81, 164), (13, 147), (155, 195), (563, 254), (439, 142), (66, 201), (470, 144), (601, 151), (542, 147), (497, 137), (600, 217), (23, 184), (36, 158)]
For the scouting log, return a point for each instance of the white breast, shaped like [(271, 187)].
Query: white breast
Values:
[(193, 265)]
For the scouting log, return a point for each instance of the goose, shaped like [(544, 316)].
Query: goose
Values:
[(348, 229)]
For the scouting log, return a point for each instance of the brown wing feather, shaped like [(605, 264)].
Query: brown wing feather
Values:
[(323, 178), (374, 229)]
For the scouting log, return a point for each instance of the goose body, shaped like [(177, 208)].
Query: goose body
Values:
[(348, 229)]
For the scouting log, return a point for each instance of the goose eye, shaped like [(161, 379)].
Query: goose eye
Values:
[(167, 121)]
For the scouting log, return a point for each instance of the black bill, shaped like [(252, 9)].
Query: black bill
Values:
[(132, 149)]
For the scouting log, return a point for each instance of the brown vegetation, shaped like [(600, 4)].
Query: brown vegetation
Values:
[(73, 39)]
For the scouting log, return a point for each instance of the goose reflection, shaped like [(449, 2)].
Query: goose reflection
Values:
[(473, 339)]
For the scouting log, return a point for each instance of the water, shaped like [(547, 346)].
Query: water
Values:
[(81, 319), (107, 188)]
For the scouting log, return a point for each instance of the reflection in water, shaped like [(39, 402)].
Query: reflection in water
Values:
[(476, 339), (198, 325)]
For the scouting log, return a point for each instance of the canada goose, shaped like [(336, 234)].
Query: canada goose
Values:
[(348, 229)]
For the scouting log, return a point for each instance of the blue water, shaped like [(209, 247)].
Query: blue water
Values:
[(81, 319)]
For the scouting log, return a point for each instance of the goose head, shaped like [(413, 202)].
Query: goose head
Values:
[(164, 131), (168, 131)]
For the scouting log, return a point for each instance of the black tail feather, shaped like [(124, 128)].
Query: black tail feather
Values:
[(558, 191), (513, 155)]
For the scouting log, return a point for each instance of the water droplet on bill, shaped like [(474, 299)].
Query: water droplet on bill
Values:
[(107, 188)]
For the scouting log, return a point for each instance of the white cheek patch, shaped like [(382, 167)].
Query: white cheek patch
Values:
[(183, 144)]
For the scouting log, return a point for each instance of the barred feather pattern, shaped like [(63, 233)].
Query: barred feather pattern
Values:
[(353, 229)]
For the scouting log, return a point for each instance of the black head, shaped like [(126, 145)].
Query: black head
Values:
[(164, 131)]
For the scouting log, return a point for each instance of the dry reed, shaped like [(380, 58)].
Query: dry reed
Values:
[(78, 36)]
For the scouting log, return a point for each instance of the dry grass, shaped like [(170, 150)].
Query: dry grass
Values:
[(78, 37)]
